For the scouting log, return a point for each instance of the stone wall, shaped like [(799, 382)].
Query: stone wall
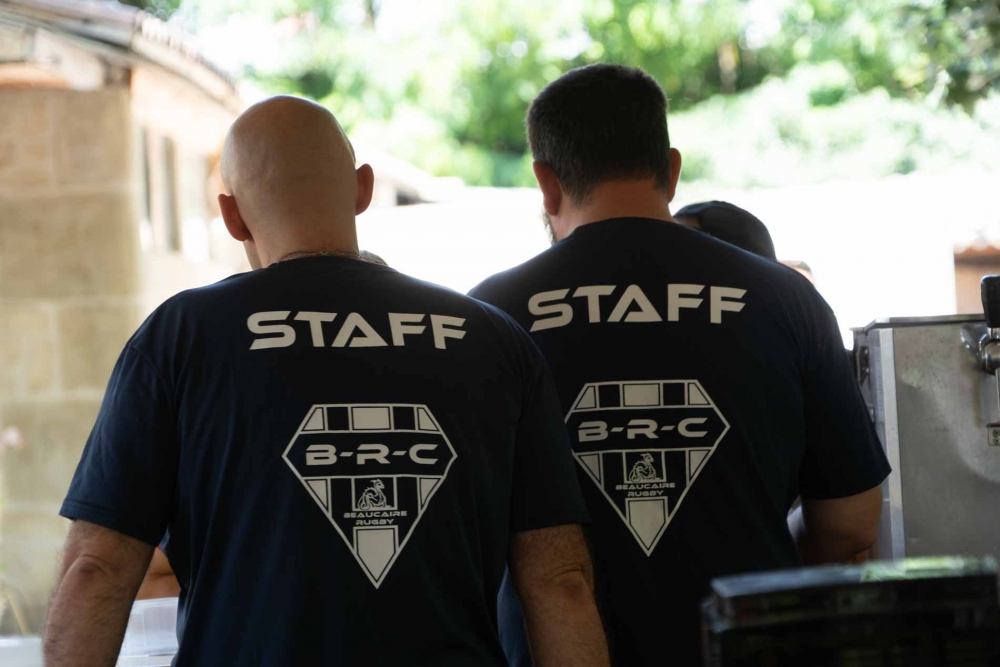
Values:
[(69, 299)]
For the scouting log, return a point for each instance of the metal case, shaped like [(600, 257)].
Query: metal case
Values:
[(915, 612), (931, 403)]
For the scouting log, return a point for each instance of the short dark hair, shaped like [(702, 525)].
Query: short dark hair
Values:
[(601, 123)]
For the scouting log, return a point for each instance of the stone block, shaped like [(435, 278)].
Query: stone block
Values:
[(25, 176), (25, 140), (36, 151), (25, 113), (28, 353), (92, 137), (80, 245), (90, 340), (54, 435), (25, 162)]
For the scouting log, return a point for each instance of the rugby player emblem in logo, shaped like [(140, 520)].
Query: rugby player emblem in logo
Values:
[(372, 470), (644, 444)]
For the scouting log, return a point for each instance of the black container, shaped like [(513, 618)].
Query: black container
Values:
[(909, 613)]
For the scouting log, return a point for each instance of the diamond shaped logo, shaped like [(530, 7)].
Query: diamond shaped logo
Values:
[(372, 469), (644, 444)]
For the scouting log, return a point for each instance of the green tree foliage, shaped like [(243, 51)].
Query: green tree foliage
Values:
[(160, 8), (692, 49), (698, 50), (451, 93), (960, 43), (775, 135)]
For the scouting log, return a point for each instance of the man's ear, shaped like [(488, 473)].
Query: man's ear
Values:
[(366, 184), (675, 173), (234, 221), (548, 183)]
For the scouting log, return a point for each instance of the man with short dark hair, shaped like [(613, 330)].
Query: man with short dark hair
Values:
[(704, 388), (343, 457)]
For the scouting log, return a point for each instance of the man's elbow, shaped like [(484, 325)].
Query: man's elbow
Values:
[(571, 586), (88, 570), (867, 535), (859, 535), (837, 545), (857, 540), (87, 566)]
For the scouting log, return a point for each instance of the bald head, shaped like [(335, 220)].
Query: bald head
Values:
[(290, 174)]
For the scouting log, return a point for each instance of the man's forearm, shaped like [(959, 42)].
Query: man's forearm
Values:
[(87, 617), (564, 627), (818, 549)]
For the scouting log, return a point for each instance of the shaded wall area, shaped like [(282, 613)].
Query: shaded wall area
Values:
[(69, 300)]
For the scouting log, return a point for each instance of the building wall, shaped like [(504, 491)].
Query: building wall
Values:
[(184, 240), (968, 273), (69, 299)]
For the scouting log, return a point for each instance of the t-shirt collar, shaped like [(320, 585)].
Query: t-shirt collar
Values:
[(617, 224)]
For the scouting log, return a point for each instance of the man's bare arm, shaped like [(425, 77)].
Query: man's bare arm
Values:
[(553, 577), (101, 572), (160, 581), (838, 529)]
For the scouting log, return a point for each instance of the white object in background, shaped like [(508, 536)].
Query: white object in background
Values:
[(146, 661), (151, 637), (21, 651)]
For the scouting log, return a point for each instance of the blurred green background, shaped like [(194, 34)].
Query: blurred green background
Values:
[(820, 88)]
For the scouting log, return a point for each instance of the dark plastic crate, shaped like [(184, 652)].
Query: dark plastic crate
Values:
[(910, 613)]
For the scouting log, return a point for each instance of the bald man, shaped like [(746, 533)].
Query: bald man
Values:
[(342, 457)]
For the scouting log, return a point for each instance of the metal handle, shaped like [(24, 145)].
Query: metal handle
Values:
[(989, 344), (990, 290)]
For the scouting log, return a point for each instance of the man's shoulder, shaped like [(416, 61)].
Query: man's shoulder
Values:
[(171, 319), (683, 248), (439, 293), (723, 264), (205, 295), (205, 303), (495, 289)]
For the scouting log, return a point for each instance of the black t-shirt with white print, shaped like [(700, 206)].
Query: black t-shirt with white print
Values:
[(338, 454), (704, 389)]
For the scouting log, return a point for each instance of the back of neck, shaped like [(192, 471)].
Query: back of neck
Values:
[(293, 239), (620, 199)]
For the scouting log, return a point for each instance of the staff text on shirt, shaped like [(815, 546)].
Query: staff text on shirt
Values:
[(353, 330), (556, 307)]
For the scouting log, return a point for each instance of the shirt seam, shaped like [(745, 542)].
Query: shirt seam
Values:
[(82, 504), (115, 521), (159, 376)]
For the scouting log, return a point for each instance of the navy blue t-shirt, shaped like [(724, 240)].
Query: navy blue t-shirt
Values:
[(339, 454), (704, 389)]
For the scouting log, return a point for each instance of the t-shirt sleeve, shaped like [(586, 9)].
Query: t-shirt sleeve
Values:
[(483, 292), (843, 454), (492, 291), (125, 479), (546, 490)]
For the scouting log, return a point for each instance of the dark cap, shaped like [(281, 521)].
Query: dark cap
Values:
[(733, 225)]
